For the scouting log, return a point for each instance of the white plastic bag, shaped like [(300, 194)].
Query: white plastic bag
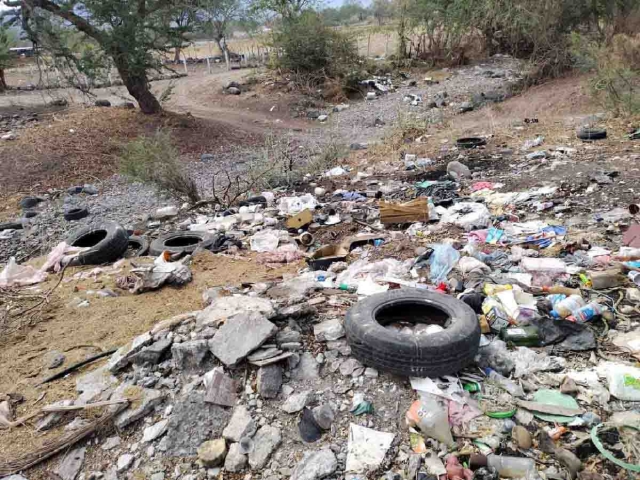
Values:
[(264, 241), (293, 205), (467, 215)]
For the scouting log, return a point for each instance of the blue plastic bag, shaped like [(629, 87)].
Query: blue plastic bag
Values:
[(442, 261)]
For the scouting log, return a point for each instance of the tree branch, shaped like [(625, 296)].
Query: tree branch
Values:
[(68, 15)]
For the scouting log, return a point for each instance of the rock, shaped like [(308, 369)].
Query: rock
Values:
[(413, 465), (211, 453), (269, 381), (458, 170), (122, 357), (569, 386), (266, 440), (207, 157), (221, 389), (94, 383), (226, 307), (143, 401), (350, 366), (233, 91), (324, 416), (307, 368), (52, 419), (297, 311), (189, 355), (239, 336), (192, 422), (235, 460), (313, 114), (329, 330), (288, 335), (521, 437), (366, 449), (76, 424), (155, 431), (111, 443), (297, 401), (157, 476), (70, 465), (264, 354), (241, 425), (315, 465), (53, 359), (102, 103), (124, 462), (466, 107), (14, 477), (152, 354), (370, 372), (323, 118)]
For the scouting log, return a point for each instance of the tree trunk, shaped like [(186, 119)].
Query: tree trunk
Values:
[(222, 45), (176, 57), (3, 83), (138, 87)]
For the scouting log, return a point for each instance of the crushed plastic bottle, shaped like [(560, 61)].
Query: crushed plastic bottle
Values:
[(513, 467), (509, 386), (567, 306), (586, 313), (430, 415)]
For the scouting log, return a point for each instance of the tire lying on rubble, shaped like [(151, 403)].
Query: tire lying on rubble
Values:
[(107, 241), (181, 243), (586, 133), (137, 246), (442, 353), (75, 214)]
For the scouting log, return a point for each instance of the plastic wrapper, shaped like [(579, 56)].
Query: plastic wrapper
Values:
[(467, 215), (442, 261), (430, 415)]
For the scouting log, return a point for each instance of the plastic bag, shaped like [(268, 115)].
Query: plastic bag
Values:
[(264, 241), (430, 415), (467, 215), (293, 205), (624, 382), (442, 261)]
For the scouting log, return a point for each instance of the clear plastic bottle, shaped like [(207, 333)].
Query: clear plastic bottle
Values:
[(511, 387), (513, 467), (555, 299), (567, 306), (586, 313)]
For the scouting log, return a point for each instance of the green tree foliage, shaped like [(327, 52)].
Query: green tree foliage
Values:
[(307, 46), (129, 32), (216, 18)]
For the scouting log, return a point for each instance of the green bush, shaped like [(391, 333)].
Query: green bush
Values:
[(155, 160), (306, 46)]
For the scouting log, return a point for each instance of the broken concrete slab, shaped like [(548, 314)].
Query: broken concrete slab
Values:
[(307, 368), (367, 448), (121, 358), (292, 291), (266, 440), (239, 336), (155, 431), (152, 354), (235, 461), (93, 384), (297, 401), (271, 360), (315, 465), (269, 381), (241, 425), (192, 422), (328, 331), (189, 355), (226, 307), (71, 463), (143, 401), (221, 390)]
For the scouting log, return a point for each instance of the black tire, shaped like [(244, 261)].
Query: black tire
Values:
[(107, 241), (137, 246), (76, 214), (591, 133), (470, 142), (442, 353), (180, 243), (29, 202), (11, 226)]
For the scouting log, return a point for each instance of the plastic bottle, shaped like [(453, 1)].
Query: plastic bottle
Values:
[(586, 313), (513, 388), (567, 306), (555, 299), (528, 336), (513, 467)]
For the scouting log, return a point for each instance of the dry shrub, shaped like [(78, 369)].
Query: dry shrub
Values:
[(155, 160)]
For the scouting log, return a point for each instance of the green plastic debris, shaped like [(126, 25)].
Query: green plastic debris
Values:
[(554, 397), (505, 414), (606, 454), (472, 387), (362, 408)]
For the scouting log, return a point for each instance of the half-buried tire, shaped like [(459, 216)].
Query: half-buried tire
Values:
[(181, 243), (442, 353), (107, 242)]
